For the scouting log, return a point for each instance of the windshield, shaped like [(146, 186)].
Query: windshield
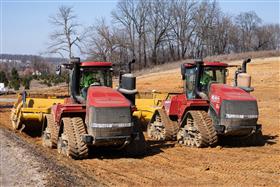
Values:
[(190, 83), (208, 75), (97, 77), (212, 74)]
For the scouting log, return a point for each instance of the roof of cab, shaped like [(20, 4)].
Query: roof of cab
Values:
[(218, 64), (96, 64)]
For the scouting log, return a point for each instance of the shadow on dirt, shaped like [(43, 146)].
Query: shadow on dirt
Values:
[(153, 148), (33, 129), (156, 147), (270, 139), (234, 142), (6, 106)]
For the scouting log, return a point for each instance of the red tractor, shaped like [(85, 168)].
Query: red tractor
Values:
[(208, 109), (94, 115)]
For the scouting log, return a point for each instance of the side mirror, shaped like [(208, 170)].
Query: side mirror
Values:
[(58, 70), (183, 71), (74, 60)]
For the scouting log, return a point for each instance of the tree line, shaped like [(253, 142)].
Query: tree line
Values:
[(156, 32), (14, 80)]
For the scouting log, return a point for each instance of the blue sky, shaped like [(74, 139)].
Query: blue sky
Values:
[(25, 27)]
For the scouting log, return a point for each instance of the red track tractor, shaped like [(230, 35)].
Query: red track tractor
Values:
[(96, 115), (209, 108)]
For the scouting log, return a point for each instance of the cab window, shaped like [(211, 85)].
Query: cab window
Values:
[(190, 74)]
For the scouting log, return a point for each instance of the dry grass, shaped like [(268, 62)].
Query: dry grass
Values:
[(223, 58)]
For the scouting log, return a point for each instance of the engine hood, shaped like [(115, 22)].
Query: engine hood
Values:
[(230, 93), (221, 92), (101, 96)]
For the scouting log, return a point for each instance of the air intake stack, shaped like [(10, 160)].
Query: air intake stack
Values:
[(127, 84), (242, 78)]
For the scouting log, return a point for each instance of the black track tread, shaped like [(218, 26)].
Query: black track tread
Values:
[(197, 123), (171, 128), (79, 128), (212, 134), (72, 149), (53, 129), (204, 125)]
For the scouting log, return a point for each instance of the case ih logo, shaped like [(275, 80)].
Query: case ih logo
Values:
[(215, 99), (216, 102)]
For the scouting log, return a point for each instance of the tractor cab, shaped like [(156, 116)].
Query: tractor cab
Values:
[(94, 74), (86, 74), (200, 75)]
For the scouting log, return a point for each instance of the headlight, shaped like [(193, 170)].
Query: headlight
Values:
[(111, 125), (239, 116)]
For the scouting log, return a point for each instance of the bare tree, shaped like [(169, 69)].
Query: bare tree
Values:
[(158, 23), (248, 23), (139, 19), (103, 41), (206, 18), (157, 31), (65, 36), (123, 16), (267, 37), (183, 24)]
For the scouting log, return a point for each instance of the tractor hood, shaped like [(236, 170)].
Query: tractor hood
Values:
[(230, 93), (221, 92), (101, 96)]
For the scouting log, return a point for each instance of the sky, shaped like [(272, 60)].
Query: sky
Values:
[(25, 26)]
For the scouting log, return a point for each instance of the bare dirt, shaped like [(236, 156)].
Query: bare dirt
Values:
[(166, 164)]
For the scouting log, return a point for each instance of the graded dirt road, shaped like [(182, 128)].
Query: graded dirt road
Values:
[(168, 164)]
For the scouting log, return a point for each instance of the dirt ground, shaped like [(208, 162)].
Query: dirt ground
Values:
[(166, 164)]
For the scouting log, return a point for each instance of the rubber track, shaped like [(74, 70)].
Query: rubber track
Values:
[(80, 130), (72, 149), (171, 128), (212, 134), (74, 128), (53, 130), (204, 124), (197, 123)]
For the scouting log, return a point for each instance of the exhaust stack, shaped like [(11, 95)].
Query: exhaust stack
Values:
[(242, 79)]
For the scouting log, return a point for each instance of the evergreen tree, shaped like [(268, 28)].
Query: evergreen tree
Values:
[(15, 80), (26, 82), (3, 78)]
